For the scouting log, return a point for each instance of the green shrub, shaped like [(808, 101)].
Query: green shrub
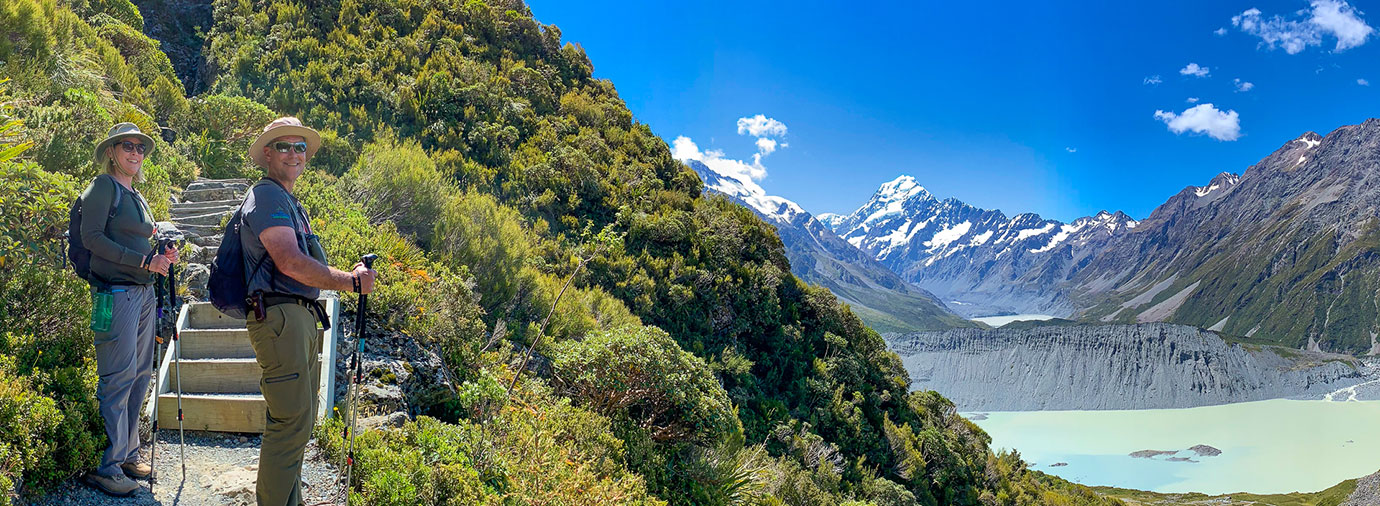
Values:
[(337, 154), (474, 230), (215, 132), (50, 427), (640, 374), (396, 181), (539, 446)]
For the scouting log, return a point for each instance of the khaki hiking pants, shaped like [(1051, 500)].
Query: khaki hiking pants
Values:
[(287, 346)]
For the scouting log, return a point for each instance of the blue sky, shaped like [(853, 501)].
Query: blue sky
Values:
[(1024, 106)]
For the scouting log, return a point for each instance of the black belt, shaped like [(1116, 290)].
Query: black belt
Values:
[(273, 299)]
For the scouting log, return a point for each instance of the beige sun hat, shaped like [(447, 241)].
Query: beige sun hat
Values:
[(283, 127), (117, 132)]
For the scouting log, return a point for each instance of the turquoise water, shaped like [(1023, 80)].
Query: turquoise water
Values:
[(998, 321), (1268, 447)]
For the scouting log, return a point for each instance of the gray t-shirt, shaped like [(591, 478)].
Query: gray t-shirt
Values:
[(268, 205)]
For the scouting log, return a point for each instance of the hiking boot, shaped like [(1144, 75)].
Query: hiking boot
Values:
[(118, 485), (137, 470)]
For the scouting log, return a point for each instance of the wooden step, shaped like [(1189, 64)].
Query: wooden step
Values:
[(203, 315), (216, 412), (216, 343), (218, 375)]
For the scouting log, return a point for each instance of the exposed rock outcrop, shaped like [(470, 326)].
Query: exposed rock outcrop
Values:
[(1142, 366)]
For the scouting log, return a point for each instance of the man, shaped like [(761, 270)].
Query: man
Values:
[(286, 270)]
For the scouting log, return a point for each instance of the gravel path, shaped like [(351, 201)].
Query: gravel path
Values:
[(221, 470)]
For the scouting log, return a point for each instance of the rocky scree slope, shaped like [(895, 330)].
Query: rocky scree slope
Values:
[(1144, 366)]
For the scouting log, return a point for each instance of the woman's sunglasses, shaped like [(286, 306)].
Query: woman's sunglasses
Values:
[(284, 147), (131, 147)]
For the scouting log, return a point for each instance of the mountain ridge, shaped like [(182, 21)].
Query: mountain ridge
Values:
[(979, 261), (881, 298)]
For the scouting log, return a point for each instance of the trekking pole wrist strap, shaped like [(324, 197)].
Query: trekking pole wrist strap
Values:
[(354, 278)]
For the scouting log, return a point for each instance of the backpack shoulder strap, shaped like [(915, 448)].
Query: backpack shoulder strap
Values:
[(114, 201), (239, 217)]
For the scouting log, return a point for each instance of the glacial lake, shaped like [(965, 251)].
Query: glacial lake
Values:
[(1268, 447), (998, 321)]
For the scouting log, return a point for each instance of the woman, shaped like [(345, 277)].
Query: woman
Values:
[(123, 264)]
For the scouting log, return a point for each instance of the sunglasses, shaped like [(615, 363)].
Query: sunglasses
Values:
[(284, 147), (131, 147)]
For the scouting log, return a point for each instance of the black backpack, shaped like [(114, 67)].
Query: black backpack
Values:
[(76, 251), (228, 285)]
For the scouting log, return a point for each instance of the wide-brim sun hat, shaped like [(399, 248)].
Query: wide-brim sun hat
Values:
[(283, 127), (117, 132)]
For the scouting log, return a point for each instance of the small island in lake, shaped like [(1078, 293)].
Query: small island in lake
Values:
[(1205, 451), (1199, 450), (1150, 454)]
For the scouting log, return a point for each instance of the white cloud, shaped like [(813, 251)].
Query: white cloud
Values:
[(1220, 31), (1341, 20), (1325, 17), (1194, 70), (761, 126), (1363, 82), (1204, 119), (1155, 79), (1242, 85), (1192, 100), (684, 149), (1071, 150), (766, 146)]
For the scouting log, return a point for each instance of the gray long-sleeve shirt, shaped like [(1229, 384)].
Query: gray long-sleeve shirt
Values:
[(119, 249)]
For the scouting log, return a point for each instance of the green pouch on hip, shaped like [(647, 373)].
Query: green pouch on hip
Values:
[(102, 310)]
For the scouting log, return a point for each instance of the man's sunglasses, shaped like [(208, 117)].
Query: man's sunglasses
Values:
[(284, 147), (131, 147)]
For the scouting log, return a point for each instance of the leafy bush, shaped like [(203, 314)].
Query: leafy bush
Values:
[(539, 447), (337, 154), (474, 230), (640, 374), (50, 427), (216, 131), (396, 181)]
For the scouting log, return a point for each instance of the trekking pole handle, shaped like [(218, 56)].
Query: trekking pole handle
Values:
[(369, 260)]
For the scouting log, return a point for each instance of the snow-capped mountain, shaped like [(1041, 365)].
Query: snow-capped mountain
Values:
[(880, 297), (979, 260)]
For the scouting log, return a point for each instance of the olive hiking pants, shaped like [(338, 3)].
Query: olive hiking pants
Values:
[(287, 346)]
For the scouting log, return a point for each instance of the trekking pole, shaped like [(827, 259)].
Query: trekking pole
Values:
[(177, 364), (358, 366), (157, 359)]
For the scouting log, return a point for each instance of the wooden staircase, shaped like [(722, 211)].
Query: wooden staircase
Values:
[(220, 378)]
